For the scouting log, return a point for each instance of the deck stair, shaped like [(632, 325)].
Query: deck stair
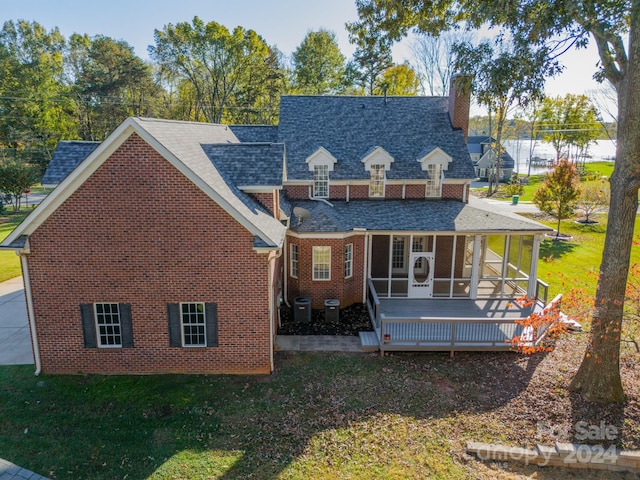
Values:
[(369, 341)]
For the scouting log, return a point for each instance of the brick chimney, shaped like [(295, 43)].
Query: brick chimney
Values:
[(459, 103)]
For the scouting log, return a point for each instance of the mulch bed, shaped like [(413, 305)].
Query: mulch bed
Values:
[(353, 319)]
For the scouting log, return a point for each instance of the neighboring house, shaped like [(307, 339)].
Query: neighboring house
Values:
[(170, 247), (484, 158)]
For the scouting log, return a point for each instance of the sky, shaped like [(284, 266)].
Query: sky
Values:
[(283, 23)]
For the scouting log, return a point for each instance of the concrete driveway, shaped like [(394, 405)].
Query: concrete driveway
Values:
[(15, 338)]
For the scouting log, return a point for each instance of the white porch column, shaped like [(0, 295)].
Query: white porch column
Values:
[(533, 272), (475, 267)]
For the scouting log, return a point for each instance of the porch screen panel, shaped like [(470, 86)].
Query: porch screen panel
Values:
[(491, 277), (462, 268), (519, 265), (442, 270)]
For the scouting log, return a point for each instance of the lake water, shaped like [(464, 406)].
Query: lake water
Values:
[(602, 150)]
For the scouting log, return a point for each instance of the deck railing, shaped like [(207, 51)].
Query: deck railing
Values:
[(542, 289), (373, 304), (447, 334)]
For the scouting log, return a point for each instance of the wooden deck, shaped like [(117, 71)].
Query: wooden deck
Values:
[(446, 324)]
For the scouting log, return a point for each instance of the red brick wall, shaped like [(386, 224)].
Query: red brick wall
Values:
[(347, 290), (139, 232), (298, 192), (453, 191), (268, 200), (415, 192)]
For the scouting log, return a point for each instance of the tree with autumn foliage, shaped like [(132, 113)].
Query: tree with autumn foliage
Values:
[(549, 29), (559, 192)]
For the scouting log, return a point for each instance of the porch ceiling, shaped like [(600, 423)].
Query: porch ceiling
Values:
[(408, 215)]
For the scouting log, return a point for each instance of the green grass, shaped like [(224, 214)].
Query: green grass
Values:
[(575, 263), (362, 417), (9, 261)]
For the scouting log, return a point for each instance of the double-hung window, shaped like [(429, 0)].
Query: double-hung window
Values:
[(106, 325), (322, 263), (376, 183), (321, 181), (348, 260), (109, 331), (193, 324), (293, 263), (434, 182)]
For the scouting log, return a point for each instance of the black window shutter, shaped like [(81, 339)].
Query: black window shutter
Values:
[(126, 325), (175, 336), (211, 318), (88, 325)]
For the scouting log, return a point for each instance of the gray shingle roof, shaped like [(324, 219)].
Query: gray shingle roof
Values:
[(407, 215), (256, 133), (184, 140), (348, 127), (66, 157), (249, 164)]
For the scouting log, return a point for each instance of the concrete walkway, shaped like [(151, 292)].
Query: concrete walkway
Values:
[(317, 343), (15, 338)]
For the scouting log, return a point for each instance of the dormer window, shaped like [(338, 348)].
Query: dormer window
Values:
[(376, 184), (321, 162), (377, 162), (321, 181), (434, 182), (434, 161)]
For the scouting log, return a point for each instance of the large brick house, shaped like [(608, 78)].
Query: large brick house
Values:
[(170, 246)]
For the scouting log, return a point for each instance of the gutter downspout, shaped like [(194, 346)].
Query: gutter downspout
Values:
[(272, 258), (32, 323)]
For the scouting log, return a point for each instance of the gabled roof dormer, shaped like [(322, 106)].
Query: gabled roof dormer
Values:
[(434, 156), (377, 156), (321, 156)]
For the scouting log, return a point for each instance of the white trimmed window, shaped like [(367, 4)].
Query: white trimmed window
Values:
[(108, 325), (293, 257), (376, 184), (193, 324), (397, 253), (348, 260), (321, 181), (434, 182), (322, 263)]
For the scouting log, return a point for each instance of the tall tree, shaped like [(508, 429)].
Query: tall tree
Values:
[(109, 83), (398, 80), (550, 28), (318, 64), (212, 60), (501, 79), (558, 194), (372, 55), (35, 111), (434, 59)]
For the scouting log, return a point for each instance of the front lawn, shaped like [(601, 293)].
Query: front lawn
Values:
[(9, 261), (318, 416), (575, 263)]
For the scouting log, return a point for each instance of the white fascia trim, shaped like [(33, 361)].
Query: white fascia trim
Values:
[(437, 155), (70, 184), (259, 188), (458, 181), (262, 250), (327, 235), (379, 156), (321, 156)]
